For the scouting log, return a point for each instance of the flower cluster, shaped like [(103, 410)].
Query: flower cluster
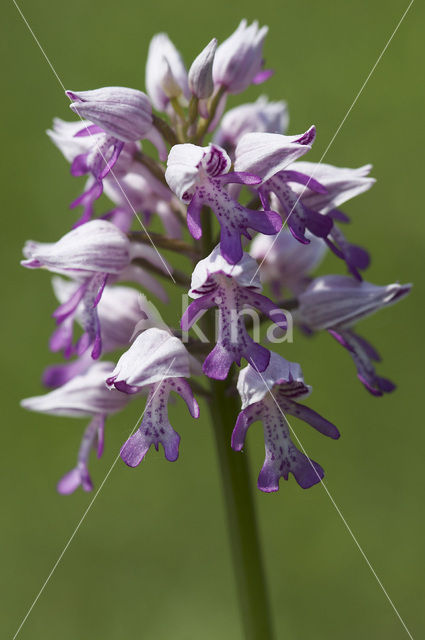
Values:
[(231, 193)]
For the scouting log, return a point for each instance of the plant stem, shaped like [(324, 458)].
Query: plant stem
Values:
[(241, 518), (239, 502)]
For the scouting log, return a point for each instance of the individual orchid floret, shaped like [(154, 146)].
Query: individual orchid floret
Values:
[(233, 289), (335, 303), (90, 254), (121, 112), (239, 60), (269, 156), (341, 184), (268, 396), (99, 155), (261, 116), (84, 395), (198, 176), (91, 152), (284, 262), (166, 75), (158, 362), (200, 73)]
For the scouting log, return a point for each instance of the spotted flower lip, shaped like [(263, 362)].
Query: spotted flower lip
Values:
[(124, 113), (155, 355), (198, 176), (268, 396), (213, 285), (166, 75), (239, 59), (158, 362), (261, 116), (334, 301), (200, 77)]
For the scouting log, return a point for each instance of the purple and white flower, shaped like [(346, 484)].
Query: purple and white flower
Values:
[(90, 254), (198, 176), (239, 59), (261, 116), (342, 184), (86, 395), (284, 262), (335, 303), (269, 156), (159, 363), (232, 289), (200, 76), (267, 397), (121, 112), (166, 75)]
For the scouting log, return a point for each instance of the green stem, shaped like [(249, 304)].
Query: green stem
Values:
[(241, 517), (239, 502)]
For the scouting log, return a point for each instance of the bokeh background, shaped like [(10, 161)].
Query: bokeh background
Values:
[(151, 560)]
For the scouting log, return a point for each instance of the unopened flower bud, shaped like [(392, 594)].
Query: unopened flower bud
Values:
[(200, 73)]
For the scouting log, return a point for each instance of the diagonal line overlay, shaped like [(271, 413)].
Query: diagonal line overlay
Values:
[(83, 517), (338, 129)]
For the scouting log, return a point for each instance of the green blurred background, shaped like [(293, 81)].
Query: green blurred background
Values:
[(151, 560)]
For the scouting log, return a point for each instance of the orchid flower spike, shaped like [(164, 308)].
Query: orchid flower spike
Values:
[(268, 397), (158, 362), (233, 289), (198, 176)]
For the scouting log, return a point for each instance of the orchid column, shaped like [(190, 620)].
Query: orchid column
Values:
[(215, 182)]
